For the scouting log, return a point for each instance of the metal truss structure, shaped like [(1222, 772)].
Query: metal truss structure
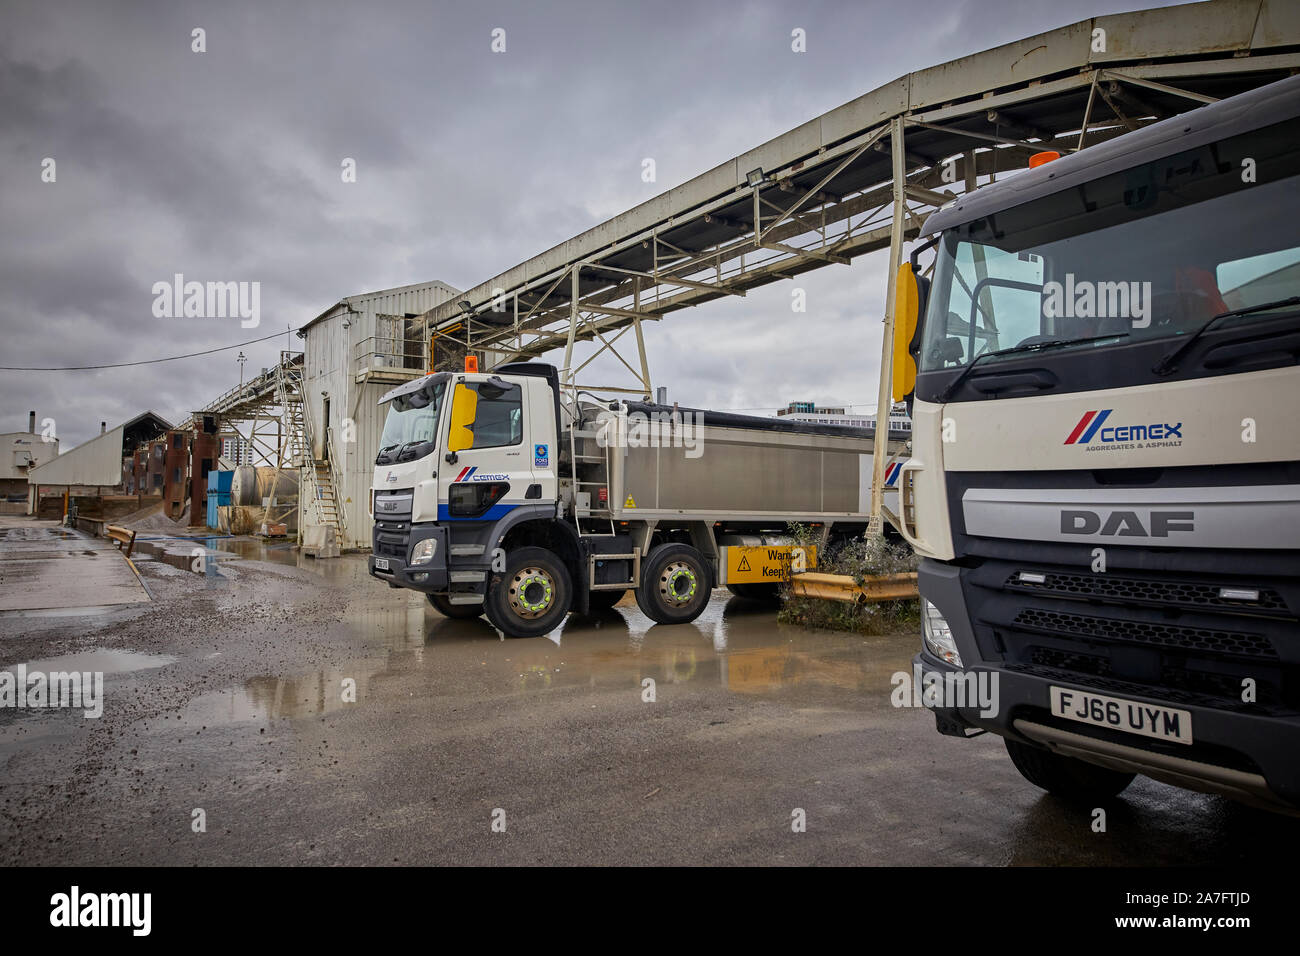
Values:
[(861, 178), (266, 412)]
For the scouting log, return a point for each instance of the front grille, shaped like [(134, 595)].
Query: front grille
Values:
[(1182, 637), (1070, 661), (391, 539), (1160, 634), (1173, 593)]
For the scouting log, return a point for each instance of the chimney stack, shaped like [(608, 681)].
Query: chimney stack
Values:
[(31, 422), (103, 427)]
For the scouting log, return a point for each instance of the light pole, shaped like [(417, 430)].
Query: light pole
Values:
[(241, 360)]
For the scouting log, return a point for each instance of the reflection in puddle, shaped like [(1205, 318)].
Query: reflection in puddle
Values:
[(270, 698), (735, 644)]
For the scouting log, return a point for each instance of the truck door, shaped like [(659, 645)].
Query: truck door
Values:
[(493, 458)]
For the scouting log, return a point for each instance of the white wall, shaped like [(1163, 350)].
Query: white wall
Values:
[(40, 450), (96, 462)]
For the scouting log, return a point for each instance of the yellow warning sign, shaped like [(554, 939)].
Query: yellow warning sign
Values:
[(629, 503), (766, 564)]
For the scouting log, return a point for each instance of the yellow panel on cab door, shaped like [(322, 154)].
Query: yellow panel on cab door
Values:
[(906, 306), (464, 409)]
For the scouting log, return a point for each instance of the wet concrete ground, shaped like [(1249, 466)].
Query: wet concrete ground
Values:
[(38, 560), (226, 695)]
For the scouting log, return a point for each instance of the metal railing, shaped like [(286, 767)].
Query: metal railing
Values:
[(389, 353)]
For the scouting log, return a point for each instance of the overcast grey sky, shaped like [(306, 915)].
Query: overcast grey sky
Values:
[(225, 165)]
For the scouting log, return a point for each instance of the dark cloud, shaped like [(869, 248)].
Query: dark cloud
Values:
[(225, 165)]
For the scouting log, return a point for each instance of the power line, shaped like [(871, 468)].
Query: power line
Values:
[(170, 358)]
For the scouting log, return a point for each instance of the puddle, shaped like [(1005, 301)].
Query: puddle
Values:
[(86, 611), (101, 660), (273, 698), (736, 645), (27, 727), (35, 728)]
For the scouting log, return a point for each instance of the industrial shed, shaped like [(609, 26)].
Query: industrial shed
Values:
[(95, 466), (353, 353)]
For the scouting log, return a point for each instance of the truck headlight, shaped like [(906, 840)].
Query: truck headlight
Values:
[(424, 551), (937, 635)]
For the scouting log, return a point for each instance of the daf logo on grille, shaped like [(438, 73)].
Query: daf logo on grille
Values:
[(1126, 524)]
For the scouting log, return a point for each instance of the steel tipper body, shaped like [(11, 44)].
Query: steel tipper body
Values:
[(1105, 480), (494, 495)]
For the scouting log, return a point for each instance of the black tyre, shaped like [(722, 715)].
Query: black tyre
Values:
[(675, 584), (457, 612), (1066, 777), (763, 593), (531, 597), (604, 600)]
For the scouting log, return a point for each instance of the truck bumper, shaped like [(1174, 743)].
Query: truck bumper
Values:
[(392, 546), (1247, 755)]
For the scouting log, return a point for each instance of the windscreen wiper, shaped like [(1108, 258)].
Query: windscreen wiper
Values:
[(956, 383), (1169, 363)]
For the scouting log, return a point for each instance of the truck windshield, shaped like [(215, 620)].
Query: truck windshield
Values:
[(411, 428), (1154, 251)]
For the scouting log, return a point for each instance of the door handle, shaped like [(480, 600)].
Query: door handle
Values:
[(992, 383)]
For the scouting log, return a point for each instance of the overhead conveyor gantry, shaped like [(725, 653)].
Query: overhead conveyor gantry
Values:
[(861, 177)]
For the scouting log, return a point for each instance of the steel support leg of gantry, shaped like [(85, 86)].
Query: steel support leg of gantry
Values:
[(885, 395)]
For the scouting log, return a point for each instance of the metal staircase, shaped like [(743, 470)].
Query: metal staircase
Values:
[(318, 477)]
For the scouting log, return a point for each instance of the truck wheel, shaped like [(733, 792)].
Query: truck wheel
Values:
[(1066, 777), (765, 593), (604, 600), (675, 584), (457, 612), (532, 596)]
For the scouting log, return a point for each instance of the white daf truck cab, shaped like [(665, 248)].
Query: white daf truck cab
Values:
[(1104, 375)]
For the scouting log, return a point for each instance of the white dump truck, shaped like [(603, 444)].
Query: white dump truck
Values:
[(495, 493)]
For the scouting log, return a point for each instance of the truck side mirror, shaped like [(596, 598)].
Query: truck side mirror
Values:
[(907, 313), (464, 410)]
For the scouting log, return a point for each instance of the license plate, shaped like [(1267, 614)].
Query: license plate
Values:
[(381, 564), (1130, 716)]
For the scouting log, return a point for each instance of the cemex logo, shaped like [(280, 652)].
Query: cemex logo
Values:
[(472, 474), (1090, 426)]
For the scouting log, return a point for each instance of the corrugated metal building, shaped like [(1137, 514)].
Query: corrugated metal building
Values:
[(353, 353), (20, 453), (95, 466)]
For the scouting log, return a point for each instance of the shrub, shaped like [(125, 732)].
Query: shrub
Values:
[(859, 558)]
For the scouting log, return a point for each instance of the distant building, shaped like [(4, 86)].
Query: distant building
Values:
[(20, 452), (236, 451), (899, 421), (105, 465)]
